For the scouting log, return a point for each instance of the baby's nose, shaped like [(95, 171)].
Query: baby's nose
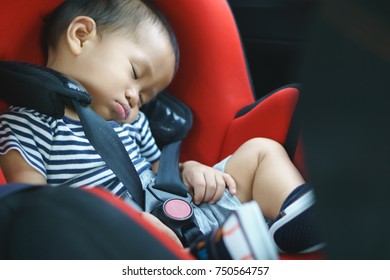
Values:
[(132, 97)]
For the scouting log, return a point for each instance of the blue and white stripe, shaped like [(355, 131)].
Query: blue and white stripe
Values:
[(59, 150)]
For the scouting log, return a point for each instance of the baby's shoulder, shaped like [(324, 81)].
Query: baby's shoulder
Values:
[(28, 117)]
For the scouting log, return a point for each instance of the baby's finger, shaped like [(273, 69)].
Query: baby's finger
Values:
[(198, 185), (221, 186), (211, 186), (230, 183)]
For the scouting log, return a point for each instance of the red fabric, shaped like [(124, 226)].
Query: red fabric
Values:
[(271, 119), (2, 179), (212, 77), (20, 29), (3, 106)]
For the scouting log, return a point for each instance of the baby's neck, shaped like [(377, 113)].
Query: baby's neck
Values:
[(71, 113)]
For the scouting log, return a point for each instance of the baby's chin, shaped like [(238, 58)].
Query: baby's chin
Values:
[(130, 119)]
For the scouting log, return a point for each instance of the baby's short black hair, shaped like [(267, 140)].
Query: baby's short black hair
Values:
[(109, 15)]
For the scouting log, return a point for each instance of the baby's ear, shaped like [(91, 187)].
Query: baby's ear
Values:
[(80, 31)]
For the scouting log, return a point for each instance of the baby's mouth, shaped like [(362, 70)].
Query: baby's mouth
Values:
[(123, 110)]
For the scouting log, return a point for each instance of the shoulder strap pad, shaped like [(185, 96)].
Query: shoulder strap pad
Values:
[(170, 119), (40, 88)]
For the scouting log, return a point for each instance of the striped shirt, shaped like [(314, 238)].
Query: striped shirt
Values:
[(60, 151)]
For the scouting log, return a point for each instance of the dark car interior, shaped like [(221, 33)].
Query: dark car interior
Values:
[(339, 51), (273, 34)]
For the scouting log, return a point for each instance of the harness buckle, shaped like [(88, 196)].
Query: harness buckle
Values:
[(174, 211)]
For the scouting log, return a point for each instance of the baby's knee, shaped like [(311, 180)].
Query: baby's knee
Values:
[(264, 146)]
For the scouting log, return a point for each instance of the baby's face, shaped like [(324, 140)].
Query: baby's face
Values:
[(122, 73)]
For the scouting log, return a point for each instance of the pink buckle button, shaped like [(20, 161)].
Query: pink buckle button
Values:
[(177, 209)]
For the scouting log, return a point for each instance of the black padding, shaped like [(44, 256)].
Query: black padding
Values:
[(66, 223), (170, 120), (40, 88)]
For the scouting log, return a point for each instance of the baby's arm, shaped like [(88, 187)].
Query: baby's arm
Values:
[(17, 170), (205, 183), (155, 166)]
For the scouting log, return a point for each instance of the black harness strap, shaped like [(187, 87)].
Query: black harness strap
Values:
[(168, 177), (20, 81), (104, 139), (108, 145)]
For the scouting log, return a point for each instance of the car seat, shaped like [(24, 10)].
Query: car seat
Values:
[(212, 79)]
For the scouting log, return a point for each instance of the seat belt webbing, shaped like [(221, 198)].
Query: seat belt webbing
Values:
[(107, 143)]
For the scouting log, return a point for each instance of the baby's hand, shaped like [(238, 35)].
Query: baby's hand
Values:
[(206, 184)]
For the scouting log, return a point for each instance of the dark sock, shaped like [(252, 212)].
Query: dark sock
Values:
[(301, 233), (295, 194)]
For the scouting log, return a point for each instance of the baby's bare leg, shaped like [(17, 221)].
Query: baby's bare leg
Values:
[(263, 172)]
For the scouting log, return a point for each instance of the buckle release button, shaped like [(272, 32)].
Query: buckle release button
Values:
[(177, 209)]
